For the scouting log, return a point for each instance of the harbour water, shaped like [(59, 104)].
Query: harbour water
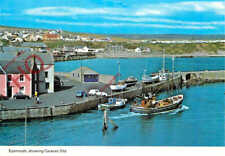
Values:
[(200, 122), (136, 66)]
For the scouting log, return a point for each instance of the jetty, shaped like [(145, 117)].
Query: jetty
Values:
[(72, 57), (17, 112)]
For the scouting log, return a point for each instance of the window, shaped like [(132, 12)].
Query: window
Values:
[(21, 78), (46, 74), (9, 78), (47, 85)]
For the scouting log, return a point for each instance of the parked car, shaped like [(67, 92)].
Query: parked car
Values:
[(93, 92), (81, 93), (101, 94), (21, 96)]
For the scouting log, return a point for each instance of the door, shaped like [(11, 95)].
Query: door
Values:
[(9, 91)]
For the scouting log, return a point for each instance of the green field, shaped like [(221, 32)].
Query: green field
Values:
[(208, 48)]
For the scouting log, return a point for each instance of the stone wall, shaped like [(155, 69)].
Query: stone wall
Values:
[(82, 106)]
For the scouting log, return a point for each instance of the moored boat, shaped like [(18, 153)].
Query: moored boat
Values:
[(113, 103), (119, 86), (150, 106), (131, 81), (149, 78)]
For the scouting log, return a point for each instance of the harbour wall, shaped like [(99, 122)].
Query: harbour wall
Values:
[(82, 106), (70, 58), (184, 78)]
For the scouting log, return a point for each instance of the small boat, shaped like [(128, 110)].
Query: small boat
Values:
[(151, 107), (119, 86), (113, 103), (163, 75), (150, 78), (131, 81)]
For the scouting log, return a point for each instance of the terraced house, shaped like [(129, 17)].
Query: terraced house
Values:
[(26, 72)]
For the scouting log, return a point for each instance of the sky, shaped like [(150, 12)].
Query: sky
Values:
[(117, 16)]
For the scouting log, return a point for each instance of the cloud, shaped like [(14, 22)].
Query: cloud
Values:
[(217, 7), (162, 20), (123, 24), (153, 9), (69, 11)]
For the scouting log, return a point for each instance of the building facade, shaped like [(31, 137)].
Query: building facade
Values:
[(26, 73), (85, 74), (13, 80)]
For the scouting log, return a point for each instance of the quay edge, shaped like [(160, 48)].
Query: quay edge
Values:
[(186, 78)]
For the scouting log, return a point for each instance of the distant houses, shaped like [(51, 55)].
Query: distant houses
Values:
[(36, 46), (49, 37)]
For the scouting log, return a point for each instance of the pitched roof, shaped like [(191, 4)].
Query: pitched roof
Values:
[(12, 49), (34, 44), (47, 58), (85, 70), (52, 35), (12, 67)]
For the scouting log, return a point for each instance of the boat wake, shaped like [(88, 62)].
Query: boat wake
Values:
[(130, 114), (183, 108)]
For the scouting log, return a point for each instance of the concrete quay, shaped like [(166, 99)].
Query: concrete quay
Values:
[(70, 58), (64, 102), (56, 108)]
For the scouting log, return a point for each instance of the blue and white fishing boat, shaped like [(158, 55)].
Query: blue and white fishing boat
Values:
[(113, 103)]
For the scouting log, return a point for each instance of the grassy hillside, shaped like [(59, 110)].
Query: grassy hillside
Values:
[(209, 48), (171, 36)]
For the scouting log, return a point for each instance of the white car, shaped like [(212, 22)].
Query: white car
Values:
[(93, 91), (101, 94)]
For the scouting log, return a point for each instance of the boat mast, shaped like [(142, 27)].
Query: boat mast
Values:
[(118, 64), (119, 69), (81, 72), (172, 72), (163, 61)]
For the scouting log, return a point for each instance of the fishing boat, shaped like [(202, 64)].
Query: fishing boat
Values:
[(112, 104), (121, 85), (131, 81), (149, 78), (151, 106), (163, 74)]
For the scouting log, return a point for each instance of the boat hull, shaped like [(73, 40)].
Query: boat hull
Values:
[(113, 107), (153, 111), (129, 84), (150, 79), (112, 104), (118, 87)]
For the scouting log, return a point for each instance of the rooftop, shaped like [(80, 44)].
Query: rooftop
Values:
[(34, 44), (85, 70), (47, 58)]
